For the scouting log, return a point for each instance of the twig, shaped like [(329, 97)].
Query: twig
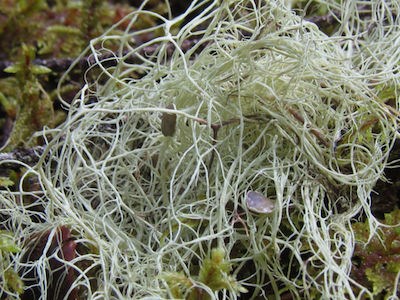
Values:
[(319, 135), (29, 156), (60, 65), (324, 21)]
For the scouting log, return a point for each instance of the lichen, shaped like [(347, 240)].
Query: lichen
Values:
[(160, 148)]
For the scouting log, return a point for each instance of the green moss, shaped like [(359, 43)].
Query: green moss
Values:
[(7, 243), (18, 25), (5, 181), (61, 41), (9, 279), (377, 261), (214, 273), (33, 107)]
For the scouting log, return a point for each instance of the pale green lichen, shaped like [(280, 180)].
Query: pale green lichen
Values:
[(265, 102)]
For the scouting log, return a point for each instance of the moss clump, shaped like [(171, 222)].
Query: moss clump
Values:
[(377, 259), (31, 107), (213, 274), (11, 283)]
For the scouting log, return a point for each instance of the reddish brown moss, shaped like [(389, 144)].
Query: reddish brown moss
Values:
[(377, 263)]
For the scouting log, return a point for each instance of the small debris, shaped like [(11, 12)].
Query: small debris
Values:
[(256, 202)]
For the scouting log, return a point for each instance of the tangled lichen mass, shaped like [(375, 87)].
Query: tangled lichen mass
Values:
[(263, 103)]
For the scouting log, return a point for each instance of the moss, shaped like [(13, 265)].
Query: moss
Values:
[(214, 274), (377, 260), (9, 279), (33, 107)]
